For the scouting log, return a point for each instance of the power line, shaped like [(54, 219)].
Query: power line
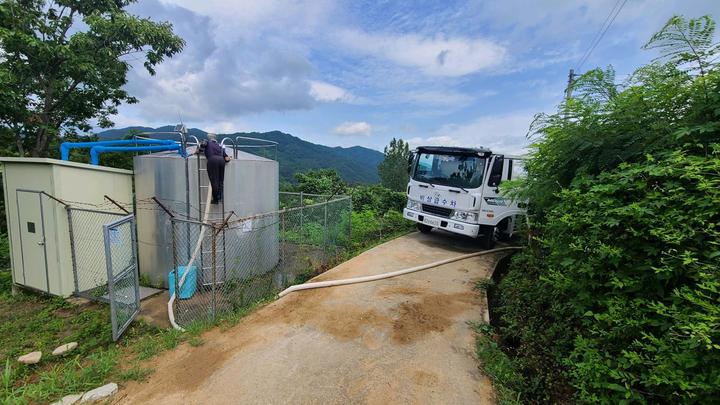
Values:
[(603, 29)]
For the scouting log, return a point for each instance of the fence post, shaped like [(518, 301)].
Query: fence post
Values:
[(175, 269), (214, 267), (111, 279), (133, 249), (325, 232), (349, 230), (282, 237), (301, 216), (283, 245), (72, 248)]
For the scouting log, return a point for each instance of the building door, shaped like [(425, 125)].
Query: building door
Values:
[(32, 240)]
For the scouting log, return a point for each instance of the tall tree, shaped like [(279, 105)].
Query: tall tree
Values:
[(64, 63), (393, 169)]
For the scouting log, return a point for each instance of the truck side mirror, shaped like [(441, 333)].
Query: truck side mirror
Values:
[(494, 180), (410, 162)]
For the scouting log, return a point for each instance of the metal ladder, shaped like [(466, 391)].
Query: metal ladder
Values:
[(206, 253)]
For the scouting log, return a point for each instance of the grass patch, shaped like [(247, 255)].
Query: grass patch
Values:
[(135, 373), (196, 341), (497, 366), (484, 284)]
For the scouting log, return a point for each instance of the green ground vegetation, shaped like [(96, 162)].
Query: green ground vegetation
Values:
[(30, 322), (617, 297)]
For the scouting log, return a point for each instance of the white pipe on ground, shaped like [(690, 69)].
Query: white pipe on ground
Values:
[(181, 281), (334, 283)]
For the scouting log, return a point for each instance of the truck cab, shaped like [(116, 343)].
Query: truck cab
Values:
[(457, 190)]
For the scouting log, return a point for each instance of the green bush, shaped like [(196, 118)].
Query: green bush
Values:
[(636, 254), (377, 198), (617, 300), (369, 227)]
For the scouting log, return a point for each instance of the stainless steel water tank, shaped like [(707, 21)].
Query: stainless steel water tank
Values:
[(251, 187)]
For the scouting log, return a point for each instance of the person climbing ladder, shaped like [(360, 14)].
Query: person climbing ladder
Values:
[(216, 159)]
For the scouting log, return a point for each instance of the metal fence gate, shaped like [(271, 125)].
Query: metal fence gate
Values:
[(122, 275)]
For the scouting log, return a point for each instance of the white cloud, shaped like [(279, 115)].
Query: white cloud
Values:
[(505, 133), (230, 82), (434, 56), (327, 92), (224, 127), (354, 128)]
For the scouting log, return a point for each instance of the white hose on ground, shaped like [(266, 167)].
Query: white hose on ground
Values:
[(181, 281), (364, 279)]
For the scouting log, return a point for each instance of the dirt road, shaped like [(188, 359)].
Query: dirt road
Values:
[(401, 340)]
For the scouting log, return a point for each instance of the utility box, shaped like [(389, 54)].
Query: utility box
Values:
[(38, 231)]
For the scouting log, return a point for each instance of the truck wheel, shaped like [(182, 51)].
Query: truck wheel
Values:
[(487, 239), (503, 234), (424, 228)]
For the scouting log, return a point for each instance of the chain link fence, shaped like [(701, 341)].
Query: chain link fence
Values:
[(241, 261), (87, 243)]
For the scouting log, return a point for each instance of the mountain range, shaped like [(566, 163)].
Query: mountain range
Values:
[(355, 164)]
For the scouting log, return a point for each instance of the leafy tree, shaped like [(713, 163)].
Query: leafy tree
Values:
[(393, 169), (687, 42), (65, 62), (321, 181)]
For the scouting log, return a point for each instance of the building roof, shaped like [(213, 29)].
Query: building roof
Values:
[(453, 150), (67, 163)]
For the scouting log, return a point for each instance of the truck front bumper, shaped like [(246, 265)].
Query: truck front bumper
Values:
[(449, 225)]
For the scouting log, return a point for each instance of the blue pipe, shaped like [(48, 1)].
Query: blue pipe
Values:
[(65, 147), (95, 151)]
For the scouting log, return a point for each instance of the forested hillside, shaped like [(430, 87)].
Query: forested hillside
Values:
[(355, 164)]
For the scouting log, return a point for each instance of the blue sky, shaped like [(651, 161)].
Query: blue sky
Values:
[(466, 73)]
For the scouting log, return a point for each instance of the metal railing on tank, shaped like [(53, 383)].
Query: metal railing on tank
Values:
[(260, 147), (235, 151)]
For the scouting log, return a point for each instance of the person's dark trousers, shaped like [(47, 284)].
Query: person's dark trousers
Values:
[(216, 173)]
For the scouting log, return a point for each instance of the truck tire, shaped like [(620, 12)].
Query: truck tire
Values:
[(487, 239), (503, 234), (424, 228)]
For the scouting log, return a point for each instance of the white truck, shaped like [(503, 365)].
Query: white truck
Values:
[(457, 190)]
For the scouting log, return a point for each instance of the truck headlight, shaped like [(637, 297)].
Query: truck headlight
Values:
[(413, 205), (465, 216)]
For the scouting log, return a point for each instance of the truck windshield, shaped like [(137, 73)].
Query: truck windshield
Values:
[(464, 171)]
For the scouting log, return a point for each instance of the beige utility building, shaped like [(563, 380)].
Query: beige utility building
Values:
[(38, 231)]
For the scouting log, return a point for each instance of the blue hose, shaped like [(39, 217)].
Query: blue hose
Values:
[(65, 147), (95, 151)]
